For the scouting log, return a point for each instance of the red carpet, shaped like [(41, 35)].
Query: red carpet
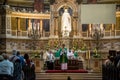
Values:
[(67, 71)]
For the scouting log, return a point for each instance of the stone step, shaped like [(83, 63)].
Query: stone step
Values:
[(64, 76), (71, 79)]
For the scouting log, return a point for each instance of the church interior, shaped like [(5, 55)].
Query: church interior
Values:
[(37, 26)]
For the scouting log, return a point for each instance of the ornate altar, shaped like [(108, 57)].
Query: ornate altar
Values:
[(73, 64)]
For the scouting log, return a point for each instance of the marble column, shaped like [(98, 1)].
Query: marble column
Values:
[(8, 25), (18, 26), (29, 27), (113, 29), (79, 22), (76, 26), (90, 29), (52, 21), (56, 27), (73, 27), (8, 30), (29, 24), (41, 27)]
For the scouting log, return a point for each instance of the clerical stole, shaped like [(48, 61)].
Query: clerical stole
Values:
[(63, 59), (63, 56)]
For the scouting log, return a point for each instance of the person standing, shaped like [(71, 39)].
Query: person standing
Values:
[(6, 68), (57, 55), (63, 58), (75, 54), (17, 74), (29, 68), (50, 58)]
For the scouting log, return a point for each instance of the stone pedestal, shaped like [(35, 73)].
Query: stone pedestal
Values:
[(96, 65), (38, 65)]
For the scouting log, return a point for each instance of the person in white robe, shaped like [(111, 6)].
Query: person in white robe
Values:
[(70, 54), (50, 60)]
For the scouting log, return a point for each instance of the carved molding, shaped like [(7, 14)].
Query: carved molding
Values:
[(70, 3), (30, 15), (118, 14)]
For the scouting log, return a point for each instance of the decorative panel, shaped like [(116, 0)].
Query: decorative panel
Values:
[(8, 22), (14, 23), (118, 23), (23, 45), (23, 24), (107, 26)]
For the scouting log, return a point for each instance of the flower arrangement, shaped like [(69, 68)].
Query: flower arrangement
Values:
[(83, 47), (96, 54), (75, 45), (56, 43), (35, 55)]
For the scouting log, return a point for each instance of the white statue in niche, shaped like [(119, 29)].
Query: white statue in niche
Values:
[(66, 23)]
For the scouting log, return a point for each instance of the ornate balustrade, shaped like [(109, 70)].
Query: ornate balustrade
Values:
[(117, 32), (16, 33), (108, 33)]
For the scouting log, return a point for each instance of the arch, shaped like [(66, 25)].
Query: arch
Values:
[(61, 10), (70, 4)]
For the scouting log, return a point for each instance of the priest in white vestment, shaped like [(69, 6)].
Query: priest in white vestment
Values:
[(70, 54)]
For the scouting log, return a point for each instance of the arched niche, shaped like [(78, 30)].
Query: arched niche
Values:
[(72, 5), (61, 11), (57, 12)]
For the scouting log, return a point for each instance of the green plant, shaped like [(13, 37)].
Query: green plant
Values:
[(83, 47), (96, 55), (35, 55)]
